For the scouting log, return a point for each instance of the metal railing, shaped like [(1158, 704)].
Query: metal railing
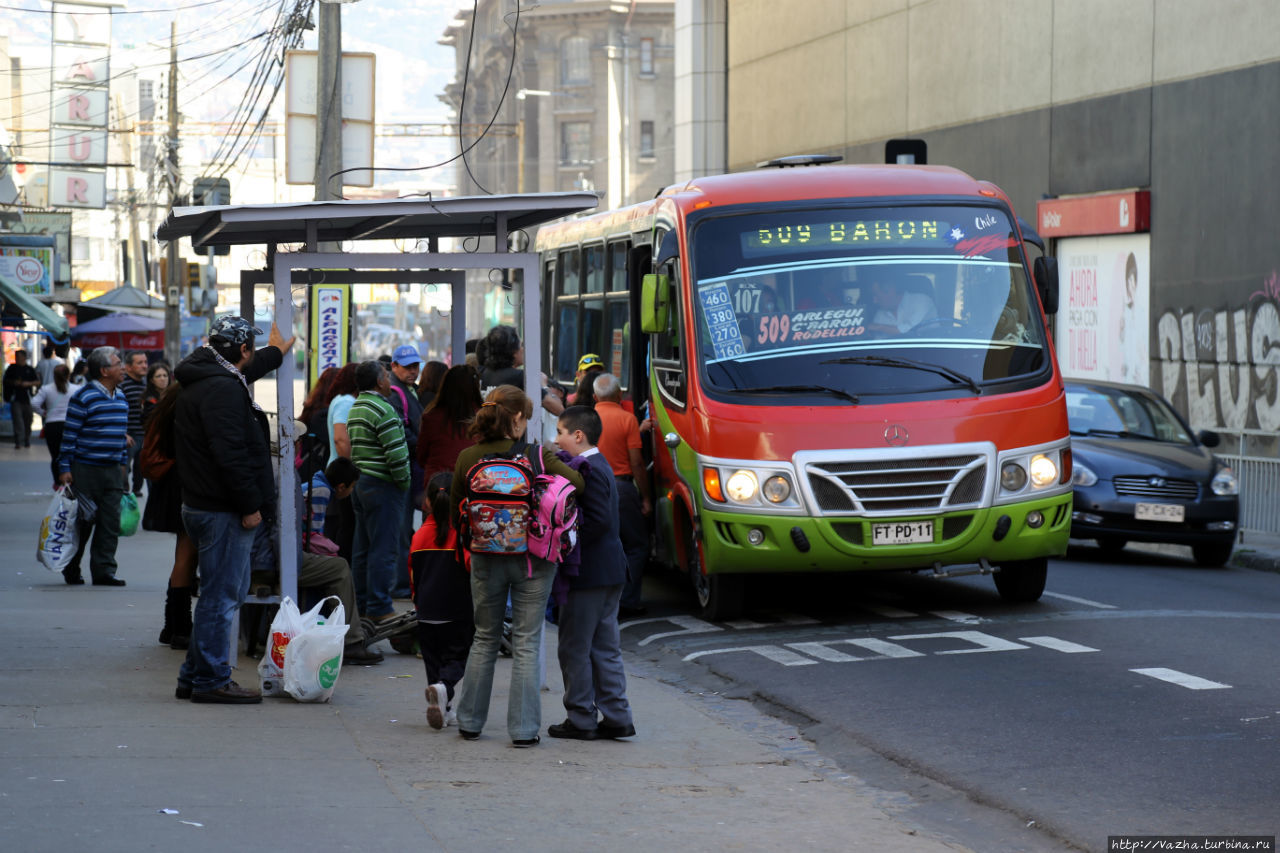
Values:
[(1259, 479)]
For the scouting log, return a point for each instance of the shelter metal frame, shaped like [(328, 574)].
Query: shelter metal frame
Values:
[(411, 218)]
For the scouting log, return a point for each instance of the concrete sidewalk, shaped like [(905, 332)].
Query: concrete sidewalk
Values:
[(93, 745)]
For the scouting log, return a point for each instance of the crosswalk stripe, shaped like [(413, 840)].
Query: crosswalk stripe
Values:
[(1191, 682), (1057, 645)]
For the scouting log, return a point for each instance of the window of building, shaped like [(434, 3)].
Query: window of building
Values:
[(646, 56), (575, 143), (575, 60), (646, 139)]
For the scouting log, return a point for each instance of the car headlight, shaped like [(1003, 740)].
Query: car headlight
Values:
[(1044, 471), (741, 486), (1082, 475), (1224, 482)]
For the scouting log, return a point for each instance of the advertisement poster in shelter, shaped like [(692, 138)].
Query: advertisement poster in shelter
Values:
[(1104, 319)]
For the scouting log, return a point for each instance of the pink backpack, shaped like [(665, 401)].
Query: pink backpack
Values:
[(552, 529)]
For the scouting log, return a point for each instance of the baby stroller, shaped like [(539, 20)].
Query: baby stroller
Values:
[(401, 631)]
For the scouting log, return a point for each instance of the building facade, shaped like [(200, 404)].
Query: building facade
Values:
[(587, 105), (1168, 104)]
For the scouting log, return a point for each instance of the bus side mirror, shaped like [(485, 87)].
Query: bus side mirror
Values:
[(668, 248), (1046, 275), (655, 297)]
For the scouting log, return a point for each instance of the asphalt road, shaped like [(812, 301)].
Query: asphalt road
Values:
[(1139, 696)]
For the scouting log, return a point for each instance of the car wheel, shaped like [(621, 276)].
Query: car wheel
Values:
[(1022, 581), (1112, 545), (1212, 555)]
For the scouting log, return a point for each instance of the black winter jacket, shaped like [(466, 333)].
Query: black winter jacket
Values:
[(223, 452)]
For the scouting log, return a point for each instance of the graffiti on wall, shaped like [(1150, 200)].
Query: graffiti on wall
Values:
[(1220, 366)]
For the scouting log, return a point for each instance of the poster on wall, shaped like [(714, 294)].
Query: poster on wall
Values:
[(1104, 320)]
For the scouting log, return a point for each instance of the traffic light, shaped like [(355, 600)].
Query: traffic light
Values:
[(194, 302), (208, 192)]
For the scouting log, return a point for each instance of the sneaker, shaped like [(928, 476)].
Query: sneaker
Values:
[(466, 735), (525, 743), (229, 694), (437, 702), (450, 717), (182, 691)]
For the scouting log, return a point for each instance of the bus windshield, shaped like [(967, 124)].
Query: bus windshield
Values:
[(863, 300)]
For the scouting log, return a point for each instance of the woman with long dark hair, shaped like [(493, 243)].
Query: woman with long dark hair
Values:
[(50, 403), (429, 382), (313, 445), (442, 432), (158, 376), (340, 521), (501, 421), (163, 513)]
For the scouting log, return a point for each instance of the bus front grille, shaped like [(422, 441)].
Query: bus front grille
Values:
[(902, 485)]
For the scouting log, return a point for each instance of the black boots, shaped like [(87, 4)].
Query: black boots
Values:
[(177, 617)]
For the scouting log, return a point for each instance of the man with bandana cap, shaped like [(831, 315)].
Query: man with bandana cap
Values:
[(224, 464)]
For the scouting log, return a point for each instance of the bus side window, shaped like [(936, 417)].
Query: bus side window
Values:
[(668, 353)]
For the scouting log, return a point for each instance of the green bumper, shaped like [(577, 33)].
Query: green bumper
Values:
[(843, 544)]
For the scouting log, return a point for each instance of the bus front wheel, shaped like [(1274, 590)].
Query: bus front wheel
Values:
[(1022, 581), (718, 596)]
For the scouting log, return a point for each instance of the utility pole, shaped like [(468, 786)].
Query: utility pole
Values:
[(172, 318), (137, 271), (329, 102)]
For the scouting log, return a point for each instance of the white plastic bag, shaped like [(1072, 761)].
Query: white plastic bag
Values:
[(284, 627), (313, 658), (58, 531)]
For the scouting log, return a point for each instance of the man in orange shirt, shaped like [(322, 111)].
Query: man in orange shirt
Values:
[(620, 445)]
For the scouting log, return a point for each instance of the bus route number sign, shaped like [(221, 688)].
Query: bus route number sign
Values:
[(722, 321)]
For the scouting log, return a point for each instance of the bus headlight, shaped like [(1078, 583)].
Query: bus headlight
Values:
[(777, 489), (1012, 477), (741, 486), (1044, 471)]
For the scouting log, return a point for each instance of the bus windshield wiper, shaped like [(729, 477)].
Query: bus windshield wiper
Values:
[(885, 361), (800, 389)]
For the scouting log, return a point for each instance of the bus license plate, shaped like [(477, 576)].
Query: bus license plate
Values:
[(902, 533), (1160, 512)]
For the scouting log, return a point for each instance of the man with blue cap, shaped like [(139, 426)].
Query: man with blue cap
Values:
[(405, 364), (228, 490)]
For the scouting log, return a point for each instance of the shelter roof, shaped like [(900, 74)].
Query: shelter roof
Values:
[(375, 219)]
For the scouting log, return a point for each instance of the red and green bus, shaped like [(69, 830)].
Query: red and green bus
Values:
[(847, 367)]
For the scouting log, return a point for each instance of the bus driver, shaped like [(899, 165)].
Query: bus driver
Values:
[(898, 310)]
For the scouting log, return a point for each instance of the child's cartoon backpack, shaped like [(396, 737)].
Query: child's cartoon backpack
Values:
[(497, 503), (553, 526)]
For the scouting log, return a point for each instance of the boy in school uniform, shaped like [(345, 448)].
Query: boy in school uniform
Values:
[(595, 685)]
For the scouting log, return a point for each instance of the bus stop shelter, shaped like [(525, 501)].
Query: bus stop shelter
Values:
[(296, 236)]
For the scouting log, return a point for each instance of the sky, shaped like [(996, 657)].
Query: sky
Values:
[(412, 69)]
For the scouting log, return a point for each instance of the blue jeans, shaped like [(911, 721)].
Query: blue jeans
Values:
[(379, 507), (224, 547), (493, 576)]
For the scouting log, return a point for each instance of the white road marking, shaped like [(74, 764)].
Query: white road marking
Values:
[(1084, 601), (745, 624), (957, 616), (1057, 645), (773, 653), (688, 625), (882, 649), (983, 642), (889, 612), (1191, 682)]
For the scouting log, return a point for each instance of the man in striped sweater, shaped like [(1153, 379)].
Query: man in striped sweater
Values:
[(379, 450), (94, 458)]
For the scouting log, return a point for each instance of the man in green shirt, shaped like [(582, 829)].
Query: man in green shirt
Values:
[(379, 450)]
